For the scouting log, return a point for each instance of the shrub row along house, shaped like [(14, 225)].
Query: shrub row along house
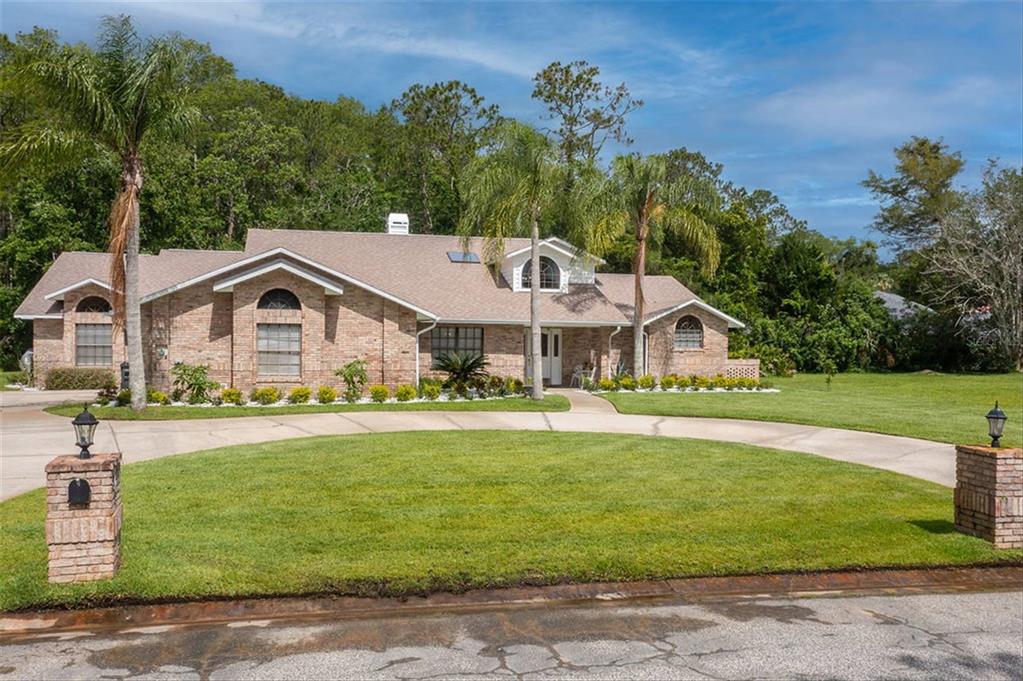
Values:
[(295, 305)]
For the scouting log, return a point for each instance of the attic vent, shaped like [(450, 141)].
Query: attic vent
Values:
[(460, 256), (397, 223)]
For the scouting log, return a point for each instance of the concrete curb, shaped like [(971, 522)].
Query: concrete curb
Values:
[(696, 589)]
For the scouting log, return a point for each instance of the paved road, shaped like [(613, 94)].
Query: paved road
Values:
[(30, 437), (936, 636)]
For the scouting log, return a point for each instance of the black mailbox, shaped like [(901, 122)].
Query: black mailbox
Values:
[(78, 492), (125, 378)]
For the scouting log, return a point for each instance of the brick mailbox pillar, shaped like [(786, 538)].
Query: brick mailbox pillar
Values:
[(83, 517), (989, 494)]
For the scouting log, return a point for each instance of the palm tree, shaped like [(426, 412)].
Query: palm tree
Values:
[(508, 193), (112, 99), (643, 199)]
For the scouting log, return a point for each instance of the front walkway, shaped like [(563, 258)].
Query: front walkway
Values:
[(29, 437)]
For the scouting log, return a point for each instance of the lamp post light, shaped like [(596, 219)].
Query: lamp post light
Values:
[(996, 424), (85, 426)]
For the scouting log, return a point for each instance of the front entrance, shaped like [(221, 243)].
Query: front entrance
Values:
[(550, 356)]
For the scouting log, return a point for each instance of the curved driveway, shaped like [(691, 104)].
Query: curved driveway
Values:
[(29, 437)]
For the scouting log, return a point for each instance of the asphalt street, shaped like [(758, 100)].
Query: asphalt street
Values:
[(926, 636)]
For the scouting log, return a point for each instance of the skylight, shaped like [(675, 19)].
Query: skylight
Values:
[(462, 256)]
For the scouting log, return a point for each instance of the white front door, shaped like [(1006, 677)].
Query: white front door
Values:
[(550, 356)]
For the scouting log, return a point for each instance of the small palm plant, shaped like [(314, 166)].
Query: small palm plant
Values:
[(462, 368)]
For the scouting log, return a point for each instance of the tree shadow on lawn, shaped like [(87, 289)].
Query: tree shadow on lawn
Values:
[(935, 526)]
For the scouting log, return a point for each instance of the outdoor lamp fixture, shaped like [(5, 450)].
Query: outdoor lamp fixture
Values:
[(996, 424), (85, 426)]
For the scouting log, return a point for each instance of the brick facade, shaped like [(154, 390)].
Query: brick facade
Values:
[(83, 542), (989, 494), (198, 325)]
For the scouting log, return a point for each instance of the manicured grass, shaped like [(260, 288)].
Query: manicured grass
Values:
[(406, 513), (10, 377), (172, 413), (941, 407)]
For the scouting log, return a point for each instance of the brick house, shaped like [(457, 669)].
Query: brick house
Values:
[(295, 305)]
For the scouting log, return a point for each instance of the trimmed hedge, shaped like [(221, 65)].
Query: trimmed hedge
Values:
[(79, 378)]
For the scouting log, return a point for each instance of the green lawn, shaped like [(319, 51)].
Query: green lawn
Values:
[(405, 513), (941, 407), (548, 403), (10, 377)]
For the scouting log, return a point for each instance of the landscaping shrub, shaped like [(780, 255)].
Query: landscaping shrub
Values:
[(232, 396), (300, 395), (431, 391), (683, 382), (700, 382), (497, 386), (157, 397), (608, 384), (404, 393), (194, 381), (106, 396), (588, 384), (354, 376), (123, 398), (515, 386), (266, 395), (14, 377), (79, 378), (462, 368), (646, 382), (627, 382), (379, 393), (427, 380), (668, 382), (326, 394)]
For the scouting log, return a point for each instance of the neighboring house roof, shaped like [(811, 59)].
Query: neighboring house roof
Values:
[(898, 307), (413, 270)]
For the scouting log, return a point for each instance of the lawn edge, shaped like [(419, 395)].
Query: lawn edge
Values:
[(375, 590), (998, 576)]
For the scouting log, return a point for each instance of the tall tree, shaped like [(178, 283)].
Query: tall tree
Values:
[(919, 195), (644, 200), (586, 112), (977, 264), (508, 192), (113, 99), (445, 124)]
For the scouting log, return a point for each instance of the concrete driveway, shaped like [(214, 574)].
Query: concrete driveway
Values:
[(30, 437)]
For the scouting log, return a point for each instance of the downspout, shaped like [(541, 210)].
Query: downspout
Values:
[(418, 334), (617, 329), (646, 351)]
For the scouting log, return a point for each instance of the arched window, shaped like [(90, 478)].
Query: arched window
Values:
[(279, 299), (92, 304), (550, 274), (688, 334)]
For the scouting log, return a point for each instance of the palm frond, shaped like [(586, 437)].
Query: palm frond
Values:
[(41, 142), (699, 236), (69, 81)]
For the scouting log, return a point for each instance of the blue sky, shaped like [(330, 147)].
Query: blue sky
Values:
[(798, 98)]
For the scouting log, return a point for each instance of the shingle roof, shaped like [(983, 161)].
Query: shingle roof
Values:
[(414, 269)]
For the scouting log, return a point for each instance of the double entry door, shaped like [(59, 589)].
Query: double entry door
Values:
[(550, 355)]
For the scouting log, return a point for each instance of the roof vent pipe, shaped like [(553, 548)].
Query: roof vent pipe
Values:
[(397, 223)]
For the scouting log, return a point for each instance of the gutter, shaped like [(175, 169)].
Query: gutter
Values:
[(418, 334), (613, 333)]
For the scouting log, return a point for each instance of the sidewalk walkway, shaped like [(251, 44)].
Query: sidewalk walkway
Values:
[(29, 437)]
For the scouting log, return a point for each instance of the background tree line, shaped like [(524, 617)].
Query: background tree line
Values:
[(259, 157)]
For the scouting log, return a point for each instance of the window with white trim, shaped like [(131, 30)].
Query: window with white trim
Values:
[(279, 349), (550, 274), (279, 299), (448, 339), (94, 345), (688, 333)]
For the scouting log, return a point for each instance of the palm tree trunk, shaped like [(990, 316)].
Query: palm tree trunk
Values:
[(124, 248), (534, 308), (638, 268)]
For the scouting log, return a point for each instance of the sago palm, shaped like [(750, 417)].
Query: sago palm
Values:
[(644, 201), (508, 192), (110, 99)]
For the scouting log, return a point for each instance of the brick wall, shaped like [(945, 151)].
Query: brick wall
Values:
[(710, 360), (83, 542), (53, 342), (989, 494), (503, 345)]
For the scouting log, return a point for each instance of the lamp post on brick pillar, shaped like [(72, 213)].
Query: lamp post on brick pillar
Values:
[(989, 489), (83, 510)]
